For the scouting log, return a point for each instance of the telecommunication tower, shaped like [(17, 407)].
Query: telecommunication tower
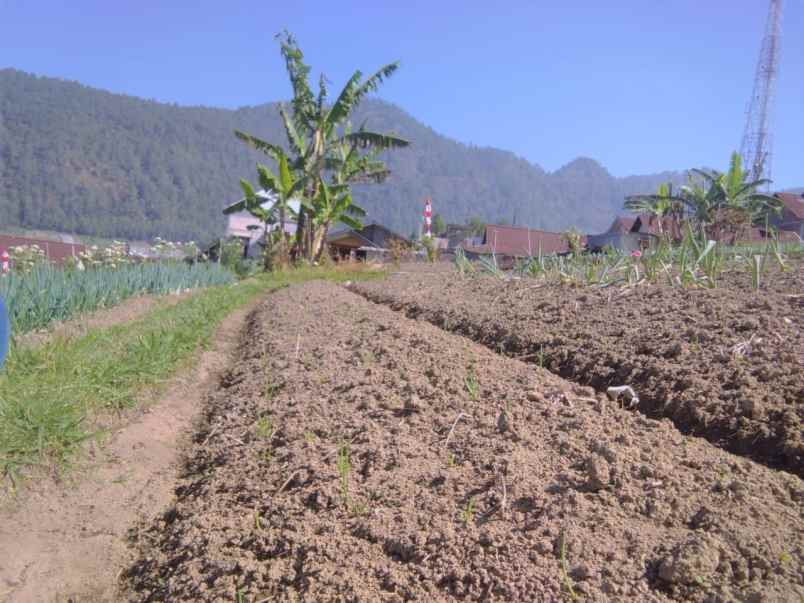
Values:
[(756, 148)]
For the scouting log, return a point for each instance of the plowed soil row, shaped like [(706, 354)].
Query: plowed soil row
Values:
[(725, 364), (355, 455)]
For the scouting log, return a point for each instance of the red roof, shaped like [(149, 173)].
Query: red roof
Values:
[(54, 251), (793, 202), (521, 242)]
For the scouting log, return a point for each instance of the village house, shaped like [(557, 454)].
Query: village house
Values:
[(249, 230), (372, 242), (510, 242), (792, 217)]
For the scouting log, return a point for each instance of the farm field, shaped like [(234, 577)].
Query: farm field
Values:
[(355, 454), (726, 364)]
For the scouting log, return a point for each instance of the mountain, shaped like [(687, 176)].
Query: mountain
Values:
[(78, 159)]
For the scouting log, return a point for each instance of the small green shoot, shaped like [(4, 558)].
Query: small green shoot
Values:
[(450, 460), (472, 384), (468, 514), (264, 428), (565, 578), (344, 468)]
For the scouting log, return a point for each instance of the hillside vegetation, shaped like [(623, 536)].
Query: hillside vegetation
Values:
[(77, 159)]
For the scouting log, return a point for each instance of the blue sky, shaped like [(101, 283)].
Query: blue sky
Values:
[(641, 86)]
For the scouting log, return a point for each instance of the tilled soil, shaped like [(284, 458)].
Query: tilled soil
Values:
[(726, 364), (355, 455)]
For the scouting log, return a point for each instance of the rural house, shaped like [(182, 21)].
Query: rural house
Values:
[(510, 242), (618, 236), (249, 230), (792, 217), (370, 242)]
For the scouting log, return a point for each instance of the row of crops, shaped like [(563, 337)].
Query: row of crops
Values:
[(48, 294)]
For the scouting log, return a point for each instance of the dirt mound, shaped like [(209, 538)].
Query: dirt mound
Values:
[(725, 364), (355, 455)]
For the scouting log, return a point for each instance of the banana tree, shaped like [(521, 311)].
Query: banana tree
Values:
[(284, 188), (315, 131), (730, 202), (658, 207), (332, 203)]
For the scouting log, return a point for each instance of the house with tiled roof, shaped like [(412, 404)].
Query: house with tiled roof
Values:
[(791, 218)]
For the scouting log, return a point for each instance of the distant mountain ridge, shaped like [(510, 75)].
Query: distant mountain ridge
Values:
[(78, 159)]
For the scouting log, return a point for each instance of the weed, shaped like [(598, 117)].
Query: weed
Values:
[(309, 437), (450, 460), (367, 357), (565, 578), (468, 513), (264, 428), (344, 468), (257, 520), (472, 384)]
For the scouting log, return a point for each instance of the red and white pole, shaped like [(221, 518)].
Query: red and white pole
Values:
[(5, 261), (428, 217)]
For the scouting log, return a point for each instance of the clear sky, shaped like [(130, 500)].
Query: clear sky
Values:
[(640, 85)]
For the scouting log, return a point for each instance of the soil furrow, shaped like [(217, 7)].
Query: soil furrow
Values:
[(724, 364), (355, 455)]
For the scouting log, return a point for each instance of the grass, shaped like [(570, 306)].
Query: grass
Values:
[(51, 395)]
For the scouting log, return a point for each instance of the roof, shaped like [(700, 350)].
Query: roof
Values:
[(344, 235), (520, 242), (622, 224), (270, 200), (649, 224), (793, 202), (54, 250), (760, 234)]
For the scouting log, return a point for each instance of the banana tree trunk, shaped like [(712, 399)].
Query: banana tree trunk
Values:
[(319, 241)]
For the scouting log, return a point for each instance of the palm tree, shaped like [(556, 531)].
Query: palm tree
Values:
[(316, 132)]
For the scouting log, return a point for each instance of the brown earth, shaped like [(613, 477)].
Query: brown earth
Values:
[(66, 541), (726, 364), (360, 456)]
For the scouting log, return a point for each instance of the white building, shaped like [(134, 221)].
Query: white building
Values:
[(251, 231)]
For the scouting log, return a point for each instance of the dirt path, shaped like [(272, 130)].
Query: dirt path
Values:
[(131, 309), (357, 455), (66, 542)]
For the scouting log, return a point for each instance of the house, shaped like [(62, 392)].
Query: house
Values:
[(618, 236), (792, 217), (248, 229), (55, 251), (509, 242), (370, 242)]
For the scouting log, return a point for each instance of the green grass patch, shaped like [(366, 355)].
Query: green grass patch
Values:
[(50, 393)]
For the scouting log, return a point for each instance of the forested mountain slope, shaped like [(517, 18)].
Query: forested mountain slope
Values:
[(78, 159)]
